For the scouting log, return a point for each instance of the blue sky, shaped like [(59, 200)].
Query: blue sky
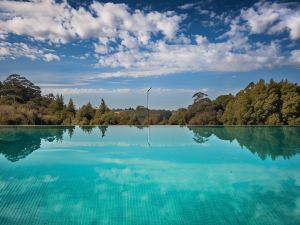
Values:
[(115, 50)]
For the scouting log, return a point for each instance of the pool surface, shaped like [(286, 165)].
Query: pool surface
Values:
[(156, 175)]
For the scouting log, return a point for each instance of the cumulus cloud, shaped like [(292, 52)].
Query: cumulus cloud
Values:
[(50, 57), (162, 58), (135, 43), (16, 50), (107, 23), (235, 53), (81, 57), (295, 57), (61, 23), (270, 18), (40, 19)]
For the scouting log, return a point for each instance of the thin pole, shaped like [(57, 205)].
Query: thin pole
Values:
[(148, 105)]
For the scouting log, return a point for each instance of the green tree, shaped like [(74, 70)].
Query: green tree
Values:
[(258, 103), (19, 88), (199, 96), (71, 107), (57, 104), (202, 111), (103, 107), (290, 97), (110, 118), (85, 114), (270, 103), (178, 117), (98, 117), (221, 102), (204, 118), (134, 120)]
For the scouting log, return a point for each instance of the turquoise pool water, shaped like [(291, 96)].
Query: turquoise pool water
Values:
[(158, 175)]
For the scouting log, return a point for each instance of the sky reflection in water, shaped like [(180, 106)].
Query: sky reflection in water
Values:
[(156, 175)]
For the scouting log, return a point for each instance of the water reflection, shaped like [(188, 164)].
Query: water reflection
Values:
[(71, 130), (103, 130), (18, 142), (264, 141), (89, 129), (149, 137)]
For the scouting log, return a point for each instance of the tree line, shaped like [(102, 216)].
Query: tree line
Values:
[(261, 103)]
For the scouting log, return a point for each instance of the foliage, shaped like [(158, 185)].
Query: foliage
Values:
[(261, 103), (199, 96), (19, 89), (179, 117), (272, 103), (71, 107), (85, 114)]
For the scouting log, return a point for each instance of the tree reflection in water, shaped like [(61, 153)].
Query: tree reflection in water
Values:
[(18, 142), (89, 129), (103, 130), (264, 141)]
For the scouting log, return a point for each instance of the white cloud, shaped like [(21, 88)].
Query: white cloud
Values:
[(102, 49), (61, 84), (81, 57), (108, 23), (140, 72), (79, 91), (187, 6), (40, 19), (236, 53), (50, 57), (135, 43), (200, 39), (61, 23), (295, 57), (271, 18), (162, 58), (16, 50)]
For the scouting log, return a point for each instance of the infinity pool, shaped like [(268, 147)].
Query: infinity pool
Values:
[(149, 175)]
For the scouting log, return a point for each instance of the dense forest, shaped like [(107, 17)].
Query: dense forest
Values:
[(261, 103)]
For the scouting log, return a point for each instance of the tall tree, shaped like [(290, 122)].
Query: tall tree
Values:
[(85, 114), (103, 107), (19, 88), (71, 107), (199, 96), (60, 101)]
